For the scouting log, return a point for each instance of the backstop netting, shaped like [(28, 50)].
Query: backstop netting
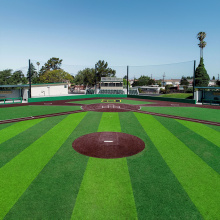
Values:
[(161, 76)]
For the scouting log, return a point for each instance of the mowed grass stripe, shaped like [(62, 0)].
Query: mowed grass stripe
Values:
[(204, 131), (18, 174), (106, 191), (189, 112), (12, 147), (33, 110), (3, 126), (198, 179), (110, 122), (16, 129), (205, 149), (53, 192), (217, 128), (157, 192)]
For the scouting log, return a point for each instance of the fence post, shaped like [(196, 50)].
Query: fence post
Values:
[(194, 83), (127, 79)]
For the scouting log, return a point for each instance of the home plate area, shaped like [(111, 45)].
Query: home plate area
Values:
[(108, 145), (106, 107)]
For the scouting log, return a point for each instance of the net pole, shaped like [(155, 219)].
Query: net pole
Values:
[(29, 78), (127, 79), (194, 83), (95, 79)]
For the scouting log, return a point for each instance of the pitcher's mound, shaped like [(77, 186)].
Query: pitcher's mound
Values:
[(108, 145)]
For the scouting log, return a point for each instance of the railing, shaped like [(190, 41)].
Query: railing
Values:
[(4, 100), (210, 101)]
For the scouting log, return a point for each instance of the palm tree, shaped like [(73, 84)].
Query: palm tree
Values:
[(201, 36), (38, 66)]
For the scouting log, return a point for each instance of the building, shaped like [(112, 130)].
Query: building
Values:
[(37, 90), (111, 83)]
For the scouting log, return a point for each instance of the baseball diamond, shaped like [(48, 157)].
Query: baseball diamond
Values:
[(96, 159)]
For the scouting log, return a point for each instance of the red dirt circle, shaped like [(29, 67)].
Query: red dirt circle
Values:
[(108, 145)]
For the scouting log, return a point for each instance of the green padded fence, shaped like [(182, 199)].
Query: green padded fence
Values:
[(57, 98), (191, 101)]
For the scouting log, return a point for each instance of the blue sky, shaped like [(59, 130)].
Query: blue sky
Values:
[(121, 32)]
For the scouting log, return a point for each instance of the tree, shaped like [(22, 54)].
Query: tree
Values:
[(55, 76), (218, 83), (201, 75), (213, 78), (201, 36), (102, 70), (18, 78), (85, 77), (5, 76), (38, 64), (34, 74), (144, 81), (52, 64), (125, 83), (184, 81)]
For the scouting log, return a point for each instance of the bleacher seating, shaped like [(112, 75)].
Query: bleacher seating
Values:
[(111, 91), (133, 92), (90, 91)]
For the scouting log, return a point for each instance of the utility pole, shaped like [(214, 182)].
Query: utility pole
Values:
[(163, 78)]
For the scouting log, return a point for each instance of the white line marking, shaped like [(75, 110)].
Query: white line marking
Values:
[(108, 141)]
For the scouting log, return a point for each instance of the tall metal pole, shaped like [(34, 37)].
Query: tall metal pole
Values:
[(194, 83), (127, 79), (29, 78), (95, 79)]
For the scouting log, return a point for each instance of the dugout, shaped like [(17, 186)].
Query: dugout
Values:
[(209, 95)]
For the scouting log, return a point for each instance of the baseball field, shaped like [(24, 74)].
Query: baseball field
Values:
[(175, 176)]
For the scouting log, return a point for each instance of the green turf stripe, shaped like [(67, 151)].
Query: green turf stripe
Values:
[(16, 129), (3, 126), (15, 145), (204, 131), (18, 174), (217, 128), (110, 122), (105, 192), (157, 192), (33, 110), (189, 112), (206, 150), (53, 192), (200, 181)]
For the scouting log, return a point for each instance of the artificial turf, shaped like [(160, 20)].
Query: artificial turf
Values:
[(17, 175), (198, 179), (106, 190), (189, 112), (16, 129), (205, 149), (33, 110), (157, 192), (53, 192), (175, 177)]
